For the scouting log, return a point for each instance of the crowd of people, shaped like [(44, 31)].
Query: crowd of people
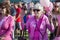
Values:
[(32, 17)]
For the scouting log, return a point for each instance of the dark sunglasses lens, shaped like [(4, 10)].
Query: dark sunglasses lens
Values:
[(36, 10)]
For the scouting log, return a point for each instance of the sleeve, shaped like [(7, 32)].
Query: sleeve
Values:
[(27, 23), (49, 25)]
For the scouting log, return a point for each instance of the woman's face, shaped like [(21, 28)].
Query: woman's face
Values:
[(37, 12), (57, 9)]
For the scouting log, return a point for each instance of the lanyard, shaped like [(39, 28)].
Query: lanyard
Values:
[(38, 27)]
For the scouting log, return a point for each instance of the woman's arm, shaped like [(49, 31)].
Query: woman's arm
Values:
[(49, 24)]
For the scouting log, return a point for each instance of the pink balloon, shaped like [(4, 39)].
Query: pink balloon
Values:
[(50, 8), (47, 9), (45, 3)]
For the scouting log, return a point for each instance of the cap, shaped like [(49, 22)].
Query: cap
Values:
[(38, 6)]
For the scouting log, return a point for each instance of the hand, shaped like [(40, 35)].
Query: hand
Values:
[(50, 18), (2, 38)]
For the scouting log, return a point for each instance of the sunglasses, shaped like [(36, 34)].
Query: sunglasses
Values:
[(36, 10)]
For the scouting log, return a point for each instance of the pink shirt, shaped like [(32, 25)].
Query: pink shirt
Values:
[(7, 28), (37, 35)]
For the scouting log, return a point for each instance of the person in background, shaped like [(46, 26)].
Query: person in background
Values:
[(6, 23), (48, 13), (13, 13), (31, 12), (20, 4), (55, 21), (31, 4), (58, 23), (13, 10), (24, 19), (38, 24), (18, 18)]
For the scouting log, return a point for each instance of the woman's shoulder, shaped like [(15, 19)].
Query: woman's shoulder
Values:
[(45, 17), (10, 17)]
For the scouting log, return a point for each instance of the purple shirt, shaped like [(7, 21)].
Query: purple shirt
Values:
[(42, 30)]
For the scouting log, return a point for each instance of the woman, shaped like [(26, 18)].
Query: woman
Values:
[(30, 13), (58, 28), (18, 18), (54, 15), (6, 23), (38, 24)]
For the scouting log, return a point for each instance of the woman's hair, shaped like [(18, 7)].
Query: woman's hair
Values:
[(7, 11), (5, 5)]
